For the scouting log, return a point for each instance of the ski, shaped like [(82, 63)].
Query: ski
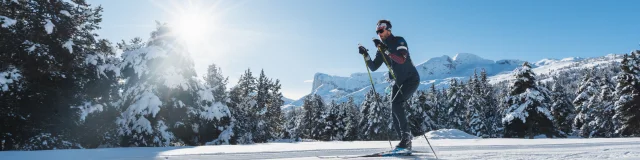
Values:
[(380, 154)]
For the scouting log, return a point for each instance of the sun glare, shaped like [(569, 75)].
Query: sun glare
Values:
[(192, 20), (192, 26)]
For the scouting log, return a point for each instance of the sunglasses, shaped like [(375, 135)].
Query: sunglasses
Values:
[(381, 28)]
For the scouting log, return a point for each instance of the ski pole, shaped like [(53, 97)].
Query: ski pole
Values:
[(386, 62), (374, 90), (367, 64), (434, 152)]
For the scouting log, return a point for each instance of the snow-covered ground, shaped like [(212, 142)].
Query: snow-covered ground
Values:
[(448, 144)]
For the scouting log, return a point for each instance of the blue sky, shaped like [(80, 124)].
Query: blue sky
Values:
[(292, 39)]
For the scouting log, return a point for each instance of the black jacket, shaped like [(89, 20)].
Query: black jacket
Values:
[(398, 58)]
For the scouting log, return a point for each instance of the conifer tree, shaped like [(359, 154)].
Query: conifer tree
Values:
[(627, 106), (527, 114)]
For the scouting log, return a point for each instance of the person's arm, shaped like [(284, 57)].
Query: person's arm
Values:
[(402, 52), (375, 63)]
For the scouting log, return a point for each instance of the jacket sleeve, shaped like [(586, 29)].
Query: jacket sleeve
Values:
[(375, 63), (400, 56)]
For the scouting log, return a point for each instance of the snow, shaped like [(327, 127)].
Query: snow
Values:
[(69, 45), (8, 77), (7, 22), (565, 149), (449, 134), (66, 13), (49, 26), (87, 108), (173, 78)]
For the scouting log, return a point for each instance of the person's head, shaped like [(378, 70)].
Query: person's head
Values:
[(383, 29)]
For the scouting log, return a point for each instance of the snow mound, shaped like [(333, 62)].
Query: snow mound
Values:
[(449, 134)]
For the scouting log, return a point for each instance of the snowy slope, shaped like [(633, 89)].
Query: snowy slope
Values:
[(445, 148), (551, 66), (440, 70)]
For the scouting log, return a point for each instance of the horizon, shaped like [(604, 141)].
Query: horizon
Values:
[(322, 36)]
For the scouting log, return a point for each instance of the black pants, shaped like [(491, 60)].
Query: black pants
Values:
[(398, 105)]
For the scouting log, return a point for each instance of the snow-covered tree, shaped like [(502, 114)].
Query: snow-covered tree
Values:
[(602, 124), (214, 79), (627, 106), (490, 108), (274, 116), (476, 104), (54, 71), (163, 101), (333, 120), (562, 110), (438, 100), (376, 117), (584, 104), (312, 122), (420, 113), (260, 132), (207, 130), (242, 105), (351, 120), (456, 105), (527, 114), (293, 117)]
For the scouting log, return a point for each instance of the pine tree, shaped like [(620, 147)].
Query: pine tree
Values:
[(419, 114), (206, 130), (275, 118), (584, 104), (562, 110), (456, 109), (375, 120), (627, 107), (218, 82), (259, 131), (435, 97), (602, 124), (313, 124), (162, 101), (477, 122), (54, 72), (490, 107), (291, 126), (333, 128), (528, 114), (243, 106), (353, 116)]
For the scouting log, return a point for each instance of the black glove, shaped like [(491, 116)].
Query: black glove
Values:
[(363, 51), (379, 44)]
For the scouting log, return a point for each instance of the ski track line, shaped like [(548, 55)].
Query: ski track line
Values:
[(313, 154)]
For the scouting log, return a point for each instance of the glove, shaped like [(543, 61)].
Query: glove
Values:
[(363, 51), (379, 44)]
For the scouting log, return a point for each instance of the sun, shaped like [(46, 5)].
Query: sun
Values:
[(193, 26), (192, 20)]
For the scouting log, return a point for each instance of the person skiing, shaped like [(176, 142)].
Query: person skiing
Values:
[(394, 51)]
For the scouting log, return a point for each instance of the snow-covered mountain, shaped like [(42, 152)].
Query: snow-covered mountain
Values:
[(440, 70), (287, 100)]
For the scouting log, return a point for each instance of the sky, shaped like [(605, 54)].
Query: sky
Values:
[(292, 40)]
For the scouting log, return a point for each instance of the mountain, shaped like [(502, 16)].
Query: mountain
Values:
[(440, 70), (287, 100)]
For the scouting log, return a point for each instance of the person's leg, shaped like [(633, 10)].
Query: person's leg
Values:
[(398, 110)]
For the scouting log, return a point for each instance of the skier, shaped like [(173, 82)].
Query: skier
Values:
[(401, 69)]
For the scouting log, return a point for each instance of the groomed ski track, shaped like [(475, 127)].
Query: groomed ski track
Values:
[(500, 148)]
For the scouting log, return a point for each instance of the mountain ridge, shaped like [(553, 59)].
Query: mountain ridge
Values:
[(439, 70)]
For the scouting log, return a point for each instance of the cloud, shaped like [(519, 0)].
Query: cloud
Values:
[(308, 81)]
